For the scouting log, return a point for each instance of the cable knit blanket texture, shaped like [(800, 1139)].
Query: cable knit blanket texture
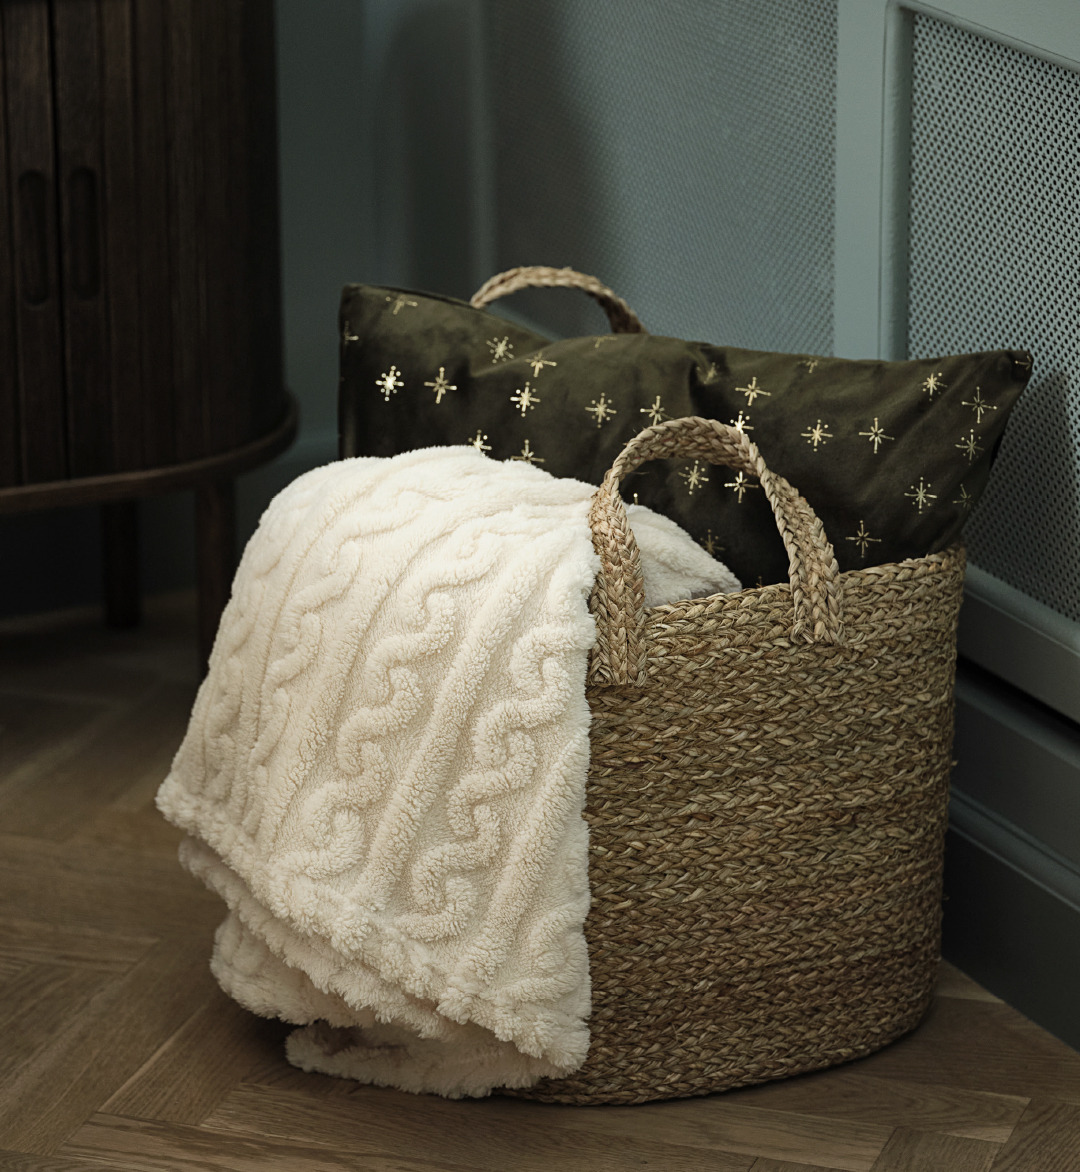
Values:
[(384, 772)]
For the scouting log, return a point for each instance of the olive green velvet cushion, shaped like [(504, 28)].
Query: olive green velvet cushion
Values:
[(891, 455)]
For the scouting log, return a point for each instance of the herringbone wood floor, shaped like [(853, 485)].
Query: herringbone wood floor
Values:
[(118, 1050)]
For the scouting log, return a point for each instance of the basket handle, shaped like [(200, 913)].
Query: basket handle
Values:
[(623, 319), (618, 598)]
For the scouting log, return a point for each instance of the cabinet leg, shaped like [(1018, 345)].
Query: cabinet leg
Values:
[(215, 538), (120, 549)]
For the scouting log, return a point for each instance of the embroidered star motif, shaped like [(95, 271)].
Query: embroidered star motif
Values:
[(863, 539), (876, 434), (710, 546), (979, 405), (811, 364), (817, 434), (752, 391), (440, 385), (400, 301), (656, 412), (602, 409), (921, 496), (539, 362), (740, 484), (502, 349), (969, 446), (528, 455), (347, 336), (524, 398), (695, 477), (933, 383), (598, 342), (710, 376), (479, 442), (965, 498), (389, 383), (741, 424)]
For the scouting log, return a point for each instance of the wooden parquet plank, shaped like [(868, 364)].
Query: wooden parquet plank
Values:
[(70, 655), (128, 893), (9, 969), (922, 1151), (186, 1078), (847, 1093), (764, 1165), (21, 1162), (134, 740), (515, 1128), (149, 1147), (1047, 1139), (39, 730), (274, 1070), (981, 1046), (94, 1052), (952, 982), (70, 944), (45, 999)]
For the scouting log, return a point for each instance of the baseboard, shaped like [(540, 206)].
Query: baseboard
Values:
[(1012, 932)]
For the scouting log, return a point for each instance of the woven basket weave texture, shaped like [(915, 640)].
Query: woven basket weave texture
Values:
[(767, 802)]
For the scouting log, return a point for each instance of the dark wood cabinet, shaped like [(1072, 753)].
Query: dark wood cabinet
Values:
[(140, 304)]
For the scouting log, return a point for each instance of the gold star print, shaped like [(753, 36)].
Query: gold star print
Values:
[(528, 455), (969, 446), (741, 424), (656, 413), (710, 376), (921, 496), (876, 434), (965, 498), (817, 434), (524, 398), (400, 301), (539, 362), (602, 409), (862, 538), (695, 477), (440, 385), (710, 546), (933, 383), (979, 405), (389, 383), (349, 337), (502, 349), (598, 342), (752, 391), (811, 364), (740, 484), (479, 442)]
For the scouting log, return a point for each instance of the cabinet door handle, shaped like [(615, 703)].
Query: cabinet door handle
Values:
[(84, 249), (33, 201)]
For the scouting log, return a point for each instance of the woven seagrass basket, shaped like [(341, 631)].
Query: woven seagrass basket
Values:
[(767, 804)]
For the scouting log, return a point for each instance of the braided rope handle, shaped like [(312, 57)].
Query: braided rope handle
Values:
[(618, 599), (623, 319)]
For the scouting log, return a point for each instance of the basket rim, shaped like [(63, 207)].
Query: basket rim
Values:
[(928, 563)]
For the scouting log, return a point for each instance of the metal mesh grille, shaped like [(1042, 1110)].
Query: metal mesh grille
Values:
[(682, 152), (994, 248)]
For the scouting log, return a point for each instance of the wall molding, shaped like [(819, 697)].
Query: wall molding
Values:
[(1023, 641), (1013, 848)]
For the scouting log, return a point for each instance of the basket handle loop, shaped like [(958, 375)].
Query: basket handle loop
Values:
[(618, 598), (623, 319)]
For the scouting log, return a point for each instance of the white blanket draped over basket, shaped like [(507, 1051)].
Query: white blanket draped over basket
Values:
[(384, 772)]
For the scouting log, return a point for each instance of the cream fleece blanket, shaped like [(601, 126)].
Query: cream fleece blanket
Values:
[(384, 772)]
